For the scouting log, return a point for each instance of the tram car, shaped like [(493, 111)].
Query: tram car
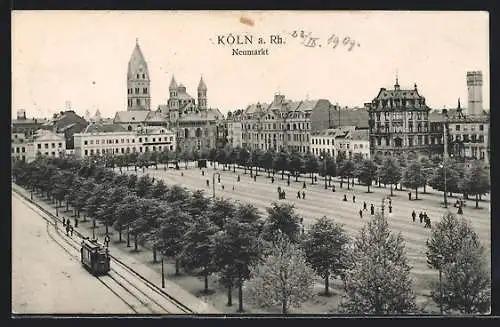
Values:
[(94, 257)]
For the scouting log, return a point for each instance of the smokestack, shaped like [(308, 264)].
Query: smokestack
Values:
[(474, 92)]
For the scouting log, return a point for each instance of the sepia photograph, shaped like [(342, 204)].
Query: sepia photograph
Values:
[(198, 163)]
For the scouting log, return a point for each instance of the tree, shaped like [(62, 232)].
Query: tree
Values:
[(427, 167), (295, 164), (197, 204), (144, 186), (437, 179), (281, 162), (311, 165), (346, 169), (467, 281), (378, 282), (267, 161), (390, 172), (236, 249), (477, 181), (159, 189), (126, 212), (220, 211), (197, 249), (106, 210), (446, 240), (172, 230), (282, 217), (284, 278), (413, 177), (324, 247), (367, 172)]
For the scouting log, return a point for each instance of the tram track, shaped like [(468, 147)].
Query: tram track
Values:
[(143, 299)]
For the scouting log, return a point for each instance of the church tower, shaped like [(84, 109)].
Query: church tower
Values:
[(138, 83), (202, 95), (173, 100)]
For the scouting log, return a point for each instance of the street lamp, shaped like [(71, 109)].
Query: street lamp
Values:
[(443, 165), (213, 183), (324, 169)]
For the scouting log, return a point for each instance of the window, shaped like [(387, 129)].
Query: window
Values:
[(136, 90), (143, 75), (138, 76), (144, 90), (96, 142), (17, 150), (138, 101), (123, 141), (23, 149), (116, 141), (39, 146), (53, 145), (457, 127), (91, 151), (46, 145), (481, 127), (86, 152)]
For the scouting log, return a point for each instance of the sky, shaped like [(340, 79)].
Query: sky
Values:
[(82, 56)]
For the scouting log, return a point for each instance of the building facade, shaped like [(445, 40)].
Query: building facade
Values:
[(235, 128), (284, 124), (399, 122), (25, 125), (347, 139), (101, 141), (42, 142)]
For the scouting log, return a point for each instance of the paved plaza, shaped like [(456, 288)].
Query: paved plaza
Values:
[(319, 202)]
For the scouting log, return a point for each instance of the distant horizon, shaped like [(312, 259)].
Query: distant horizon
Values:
[(57, 57)]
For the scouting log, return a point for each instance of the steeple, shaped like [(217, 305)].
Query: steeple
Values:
[(173, 84), (202, 95), (138, 83), (396, 86)]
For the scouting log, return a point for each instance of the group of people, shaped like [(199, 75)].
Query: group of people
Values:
[(423, 218), (67, 225)]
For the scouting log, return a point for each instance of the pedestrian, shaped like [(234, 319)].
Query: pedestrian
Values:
[(364, 205), (284, 195), (64, 222), (223, 187), (71, 230), (413, 215), (316, 178), (421, 216), (218, 178), (390, 202), (390, 208), (208, 183), (67, 229), (360, 213), (272, 180), (352, 184), (76, 222), (333, 188), (460, 211), (233, 187), (345, 198), (153, 180), (288, 182), (254, 178), (354, 199), (303, 195), (372, 209), (202, 173), (409, 196), (298, 194), (239, 178)]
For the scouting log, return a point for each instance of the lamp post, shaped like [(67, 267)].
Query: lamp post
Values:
[(162, 273), (443, 165), (324, 168), (213, 183)]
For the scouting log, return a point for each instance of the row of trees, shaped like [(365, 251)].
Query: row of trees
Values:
[(406, 171), (235, 242)]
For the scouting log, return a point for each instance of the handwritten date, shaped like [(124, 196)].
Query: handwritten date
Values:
[(333, 41)]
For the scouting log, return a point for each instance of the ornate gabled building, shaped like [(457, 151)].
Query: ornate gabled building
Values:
[(138, 82), (284, 124), (398, 122)]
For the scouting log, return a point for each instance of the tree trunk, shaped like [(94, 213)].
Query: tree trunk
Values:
[(120, 233), (154, 253), (327, 284), (283, 174), (205, 273), (368, 188), (477, 201), (230, 295), (416, 193), (348, 184), (67, 205), (391, 190), (240, 296), (284, 305), (425, 185), (135, 242), (177, 267)]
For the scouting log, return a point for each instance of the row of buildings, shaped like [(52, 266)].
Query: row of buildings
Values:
[(396, 121)]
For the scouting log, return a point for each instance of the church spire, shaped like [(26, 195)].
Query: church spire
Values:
[(396, 86), (138, 83), (201, 85), (173, 84)]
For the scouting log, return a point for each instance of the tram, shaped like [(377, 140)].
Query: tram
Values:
[(94, 257)]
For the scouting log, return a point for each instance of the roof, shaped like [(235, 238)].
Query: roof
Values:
[(351, 117), (136, 61), (211, 114), (173, 83), (202, 86), (104, 128), (182, 95), (256, 107), (48, 136), (28, 121), (131, 116), (156, 116), (359, 135)]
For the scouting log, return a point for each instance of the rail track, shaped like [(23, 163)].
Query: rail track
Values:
[(137, 292)]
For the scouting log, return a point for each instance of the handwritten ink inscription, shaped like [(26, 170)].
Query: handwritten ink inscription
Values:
[(311, 41)]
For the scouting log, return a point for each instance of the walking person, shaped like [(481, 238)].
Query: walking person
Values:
[(71, 230), (303, 195), (421, 216), (372, 209), (345, 198), (298, 194), (460, 210), (333, 188), (390, 208), (64, 222), (76, 222), (272, 180), (360, 213), (413, 215), (239, 178), (208, 183), (409, 196), (364, 205), (354, 199)]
